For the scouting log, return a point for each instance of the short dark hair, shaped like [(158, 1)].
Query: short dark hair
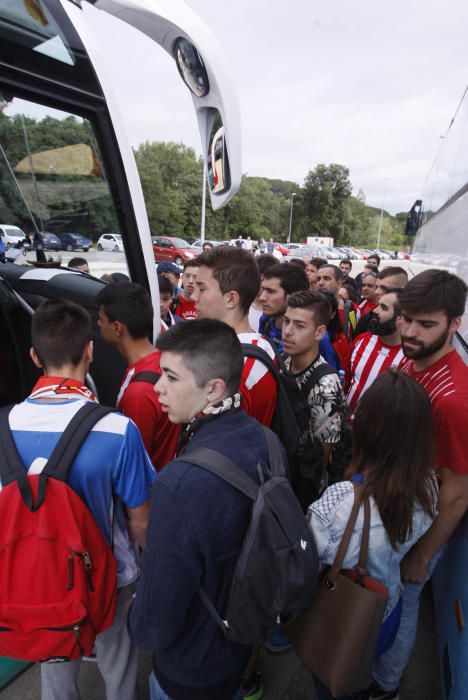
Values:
[(391, 271), (292, 278), (265, 261), (298, 261), (60, 331), (315, 302), (165, 286), (128, 303), (234, 269), (352, 293), (435, 290), (347, 261), (77, 262), (375, 256), (336, 271), (318, 262), (209, 348), (193, 262), (397, 292)]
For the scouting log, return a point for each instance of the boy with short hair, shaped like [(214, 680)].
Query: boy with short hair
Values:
[(111, 473), (227, 283), (184, 306), (304, 325), (126, 322), (197, 520)]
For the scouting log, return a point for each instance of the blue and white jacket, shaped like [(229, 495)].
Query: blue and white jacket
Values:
[(327, 520)]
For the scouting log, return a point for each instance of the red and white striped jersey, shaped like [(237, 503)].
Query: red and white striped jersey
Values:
[(368, 357), (258, 381)]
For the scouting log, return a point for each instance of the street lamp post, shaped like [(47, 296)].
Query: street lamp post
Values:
[(381, 214), (293, 194)]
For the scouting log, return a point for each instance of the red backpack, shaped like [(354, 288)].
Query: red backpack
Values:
[(58, 575)]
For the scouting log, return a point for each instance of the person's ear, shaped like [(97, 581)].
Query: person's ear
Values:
[(232, 299), (216, 390), (89, 351), (119, 328), (35, 358), (320, 332), (455, 324)]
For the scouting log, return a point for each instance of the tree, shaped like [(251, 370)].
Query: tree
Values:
[(326, 191)]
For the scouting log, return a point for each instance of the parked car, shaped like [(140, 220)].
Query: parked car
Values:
[(49, 241), (111, 241), (75, 241), (11, 235), (174, 249), (293, 246)]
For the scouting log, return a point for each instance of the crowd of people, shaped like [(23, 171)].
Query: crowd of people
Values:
[(371, 359)]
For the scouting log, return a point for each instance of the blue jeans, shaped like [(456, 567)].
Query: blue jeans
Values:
[(388, 669), (157, 693)]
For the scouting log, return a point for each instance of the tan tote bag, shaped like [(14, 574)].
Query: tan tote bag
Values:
[(336, 636)]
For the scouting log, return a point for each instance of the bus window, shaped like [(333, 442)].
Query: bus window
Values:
[(54, 184)]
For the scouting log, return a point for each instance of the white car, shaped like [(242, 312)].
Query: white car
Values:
[(11, 235), (111, 241)]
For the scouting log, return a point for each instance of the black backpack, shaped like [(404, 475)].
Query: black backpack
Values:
[(291, 422), (277, 570)]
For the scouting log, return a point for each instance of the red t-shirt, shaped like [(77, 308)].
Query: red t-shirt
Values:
[(185, 308), (258, 386), (366, 307), (140, 402), (446, 382)]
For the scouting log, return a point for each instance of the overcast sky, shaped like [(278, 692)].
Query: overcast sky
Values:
[(371, 84)]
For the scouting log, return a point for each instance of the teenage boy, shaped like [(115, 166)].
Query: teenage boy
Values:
[(126, 322), (227, 282), (166, 297), (432, 304), (111, 473), (375, 351), (304, 325), (197, 521), (278, 282), (184, 306), (172, 272)]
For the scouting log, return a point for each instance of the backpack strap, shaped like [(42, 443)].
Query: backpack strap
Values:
[(223, 467), (146, 376), (321, 371), (59, 462), (227, 470), (347, 308), (11, 465)]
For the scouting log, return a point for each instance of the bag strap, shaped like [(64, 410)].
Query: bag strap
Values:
[(12, 467), (320, 371), (227, 470), (146, 376), (72, 438), (343, 547), (280, 372), (364, 549), (347, 308)]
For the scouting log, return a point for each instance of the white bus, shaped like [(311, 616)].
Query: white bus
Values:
[(65, 157)]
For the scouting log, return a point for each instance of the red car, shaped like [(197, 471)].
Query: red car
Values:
[(174, 249)]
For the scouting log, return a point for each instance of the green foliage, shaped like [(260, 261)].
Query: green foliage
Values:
[(326, 191), (171, 177)]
